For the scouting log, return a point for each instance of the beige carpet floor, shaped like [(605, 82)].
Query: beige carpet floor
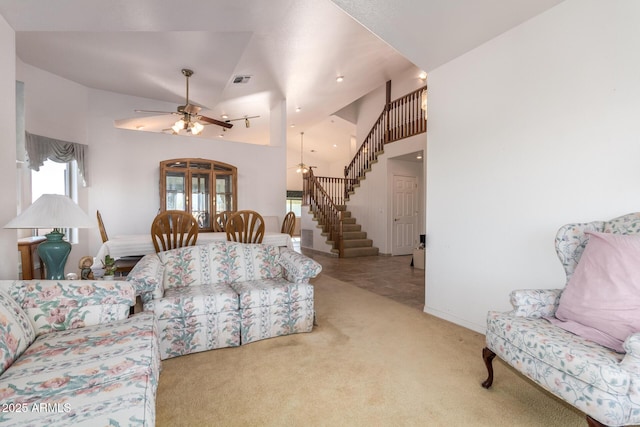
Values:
[(369, 362)]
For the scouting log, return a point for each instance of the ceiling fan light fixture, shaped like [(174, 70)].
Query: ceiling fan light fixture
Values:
[(196, 128), (178, 126)]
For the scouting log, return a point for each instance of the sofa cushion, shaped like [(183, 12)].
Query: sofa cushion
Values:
[(268, 292), (16, 331), (52, 305), (568, 353), (90, 375), (186, 335), (194, 301), (253, 262), (274, 307), (601, 302), (188, 266)]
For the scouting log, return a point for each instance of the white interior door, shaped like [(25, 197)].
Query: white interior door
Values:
[(405, 214)]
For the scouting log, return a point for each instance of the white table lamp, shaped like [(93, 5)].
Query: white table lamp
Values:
[(57, 212)]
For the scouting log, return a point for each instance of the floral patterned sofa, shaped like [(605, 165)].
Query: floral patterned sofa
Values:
[(225, 294), (71, 355), (601, 382)]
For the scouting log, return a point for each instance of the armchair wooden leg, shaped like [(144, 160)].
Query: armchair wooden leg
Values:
[(594, 423), (488, 356)]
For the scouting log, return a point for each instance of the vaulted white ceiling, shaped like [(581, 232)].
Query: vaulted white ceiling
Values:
[(292, 49)]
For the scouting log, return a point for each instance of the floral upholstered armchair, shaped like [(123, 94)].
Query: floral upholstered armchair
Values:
[(581, 343)]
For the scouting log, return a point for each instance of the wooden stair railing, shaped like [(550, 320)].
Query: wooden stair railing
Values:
[(336, 188), (401, 118), (324, 209)]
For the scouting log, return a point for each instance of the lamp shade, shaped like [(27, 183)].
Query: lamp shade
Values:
[(52, 211)]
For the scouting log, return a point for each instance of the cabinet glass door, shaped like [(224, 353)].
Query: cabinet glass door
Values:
[(175, 191), (200, 199), (224, 193)]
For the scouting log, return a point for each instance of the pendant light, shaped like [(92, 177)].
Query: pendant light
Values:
[(302, 168)]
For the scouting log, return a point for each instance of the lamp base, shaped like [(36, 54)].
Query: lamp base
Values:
[(54, 252)]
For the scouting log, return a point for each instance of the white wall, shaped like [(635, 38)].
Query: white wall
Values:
[(532, 130), (8, 172), (124, 165), (58, 108)]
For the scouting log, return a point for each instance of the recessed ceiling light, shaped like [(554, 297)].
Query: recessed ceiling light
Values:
[(292, 125), (298, 109), (422, 75), (140, 127), (419, 156), (335, 145), (339, 79), (224, 116)]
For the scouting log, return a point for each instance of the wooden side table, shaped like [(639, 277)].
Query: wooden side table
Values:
[(32, 267)]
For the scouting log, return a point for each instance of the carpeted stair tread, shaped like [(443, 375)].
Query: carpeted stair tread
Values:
[(351, 227), (357, 243), (347, 235)]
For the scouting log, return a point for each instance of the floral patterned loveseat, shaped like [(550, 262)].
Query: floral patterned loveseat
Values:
[(224, 294), (71, 355), (602, 383)]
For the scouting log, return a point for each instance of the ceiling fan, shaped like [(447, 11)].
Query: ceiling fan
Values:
[(191, 118)]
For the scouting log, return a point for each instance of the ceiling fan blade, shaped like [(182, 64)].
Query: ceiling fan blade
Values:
[(156, 112), (211, 121)]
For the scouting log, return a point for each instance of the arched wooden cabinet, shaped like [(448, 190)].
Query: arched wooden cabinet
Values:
[(200, 186)]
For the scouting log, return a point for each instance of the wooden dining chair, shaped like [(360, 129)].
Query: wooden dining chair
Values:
[(221, 220), (173, 229), (103, 231), (245, 227), (289, 223)]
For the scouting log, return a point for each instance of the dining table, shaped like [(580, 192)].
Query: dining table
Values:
[(141, 244)]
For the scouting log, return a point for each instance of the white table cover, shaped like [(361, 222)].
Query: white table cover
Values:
[(141, 244)]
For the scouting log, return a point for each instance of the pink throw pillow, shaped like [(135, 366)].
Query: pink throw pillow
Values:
[(601, 302)]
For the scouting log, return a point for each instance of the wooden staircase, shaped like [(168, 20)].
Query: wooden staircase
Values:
[(327, 196), (354, 240)]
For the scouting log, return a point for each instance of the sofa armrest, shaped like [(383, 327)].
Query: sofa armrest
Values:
[(298, 268), (147, 276), (535, 303), (631, 360), (58, 305)]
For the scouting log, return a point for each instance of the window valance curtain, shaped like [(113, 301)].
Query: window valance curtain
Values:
[(40, 148)]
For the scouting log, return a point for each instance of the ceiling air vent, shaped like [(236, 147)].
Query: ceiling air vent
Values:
[(241, 79)]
